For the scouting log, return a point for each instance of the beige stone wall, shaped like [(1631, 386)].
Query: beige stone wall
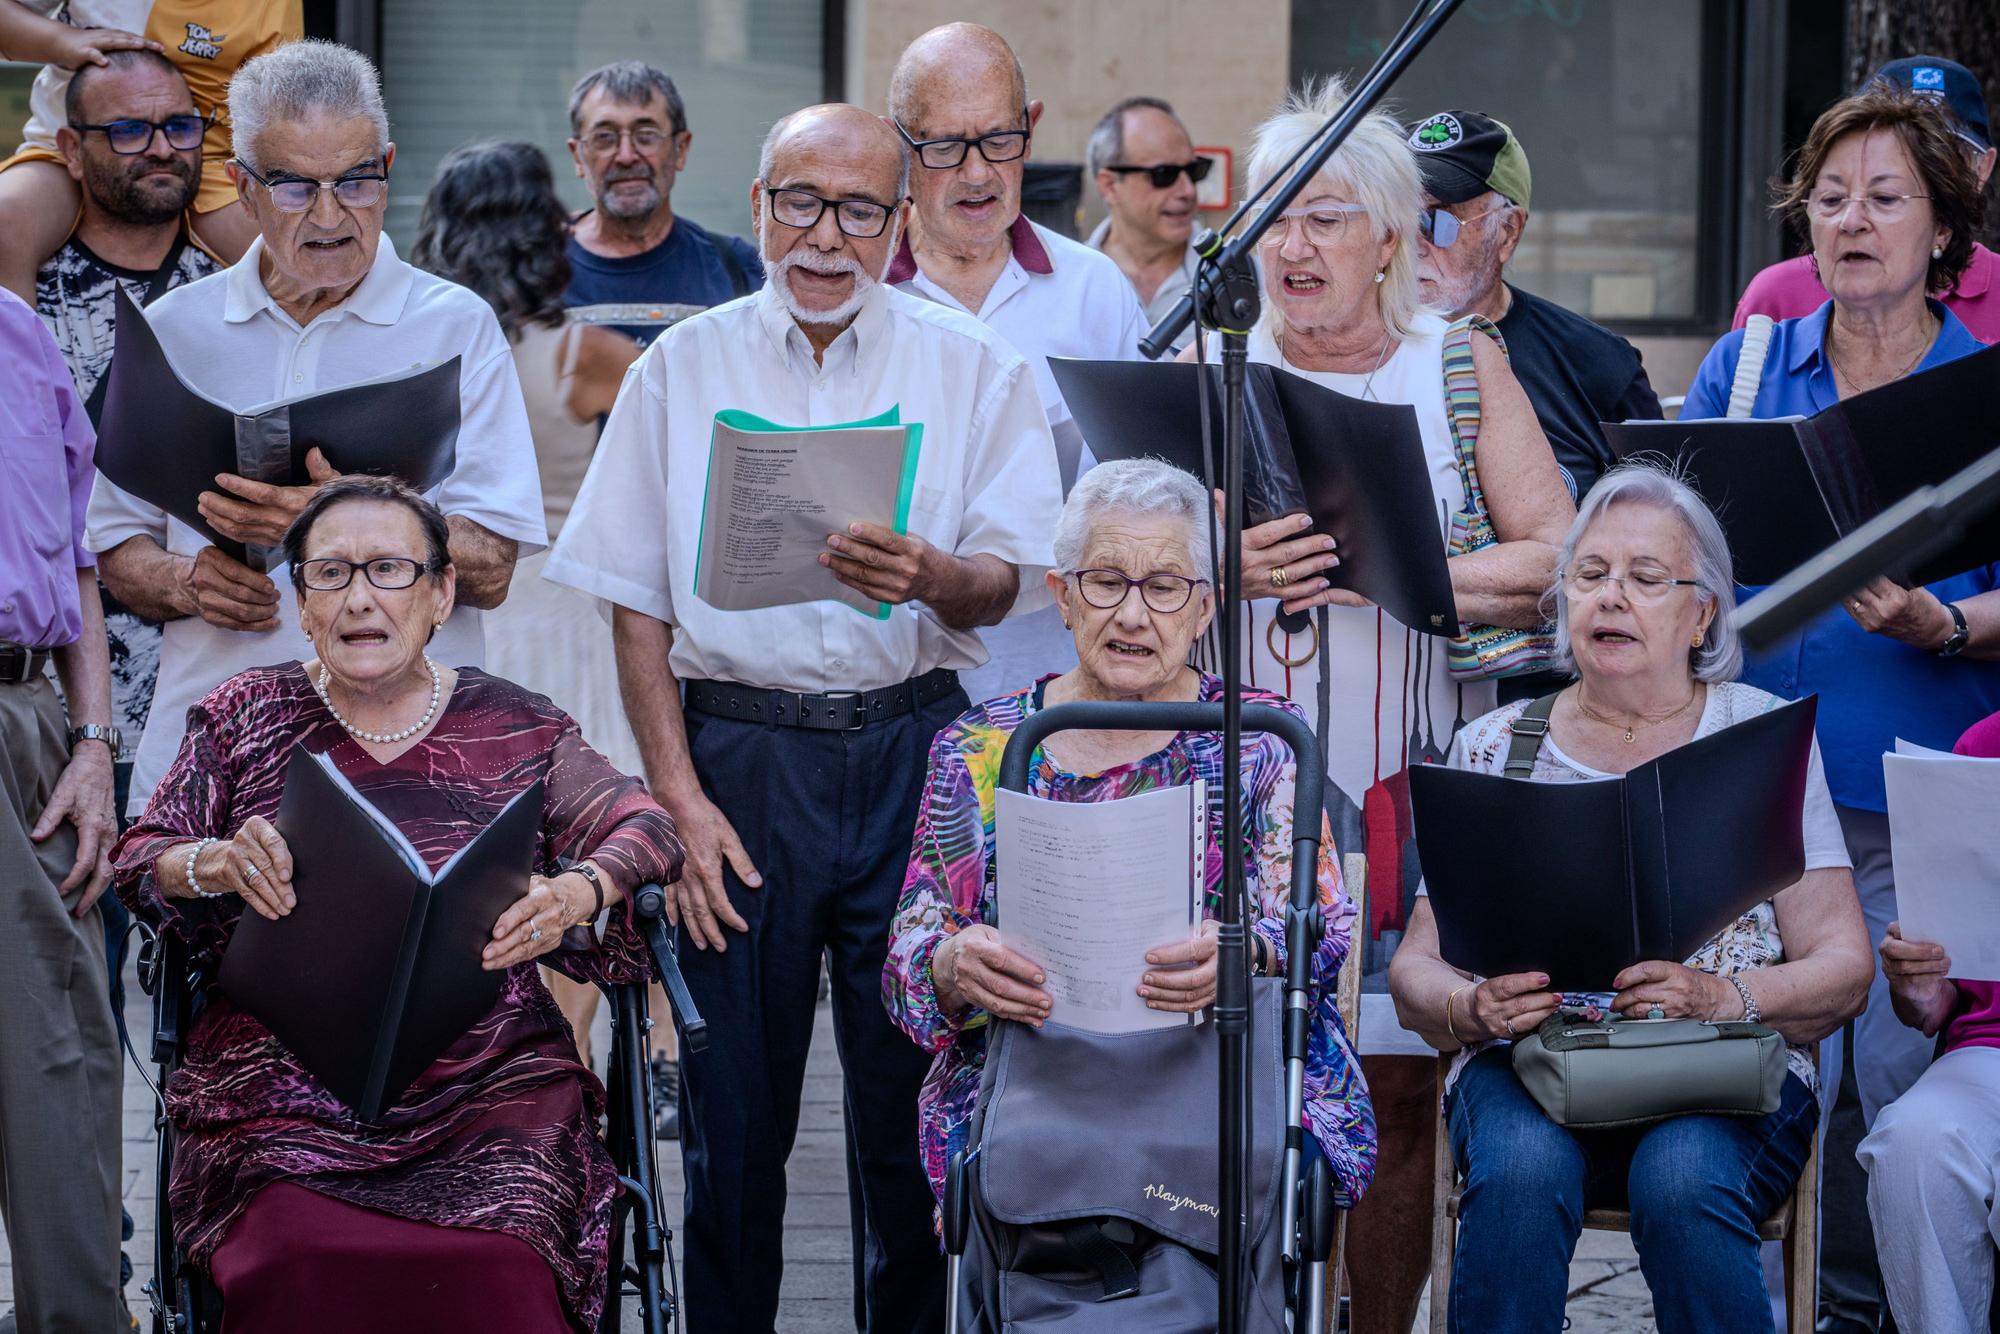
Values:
[(1083, 55)]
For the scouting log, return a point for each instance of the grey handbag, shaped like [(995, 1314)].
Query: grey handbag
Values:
[(1627, 1072), (1094, 1186)]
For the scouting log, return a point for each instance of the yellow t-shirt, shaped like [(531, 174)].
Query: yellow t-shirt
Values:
[(206, 39)]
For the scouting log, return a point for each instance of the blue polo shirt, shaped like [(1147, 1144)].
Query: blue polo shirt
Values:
[(1872, 689)]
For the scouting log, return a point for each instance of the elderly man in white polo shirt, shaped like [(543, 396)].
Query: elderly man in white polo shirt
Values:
[(960, 100), (794, 764), (319, 301)]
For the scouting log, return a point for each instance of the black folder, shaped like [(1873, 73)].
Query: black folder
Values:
[(1583, 880), (376, 970), (1786, 489), (164, 441), (1357, 467)]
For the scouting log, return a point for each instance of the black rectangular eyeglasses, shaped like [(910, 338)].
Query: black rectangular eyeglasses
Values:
[(292, 194), (862, 219), (940, 154), (132, 137), (330, 574)]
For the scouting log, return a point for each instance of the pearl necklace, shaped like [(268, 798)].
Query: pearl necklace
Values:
[(384, 738)]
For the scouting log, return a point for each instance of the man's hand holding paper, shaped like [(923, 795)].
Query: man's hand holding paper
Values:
[(227, 593), (258, 513), (885, 565)]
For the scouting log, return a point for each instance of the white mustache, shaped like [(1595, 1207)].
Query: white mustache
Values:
[(815, 262)]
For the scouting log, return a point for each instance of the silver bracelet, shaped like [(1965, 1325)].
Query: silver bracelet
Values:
[(1751, 1014), (195, 884)]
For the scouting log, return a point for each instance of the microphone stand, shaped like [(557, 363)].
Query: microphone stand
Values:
[(1226, 298)]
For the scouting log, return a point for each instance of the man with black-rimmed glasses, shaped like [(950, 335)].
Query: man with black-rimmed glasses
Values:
[(320, 301), (789, 742), (959, 99)]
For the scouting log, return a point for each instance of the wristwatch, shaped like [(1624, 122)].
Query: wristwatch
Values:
[(105, 733), (1961, 633)]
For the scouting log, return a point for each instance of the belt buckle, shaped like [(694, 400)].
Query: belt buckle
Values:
[(860, 714), (21, 671)]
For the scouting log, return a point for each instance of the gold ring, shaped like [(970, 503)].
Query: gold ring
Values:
[(1283, 660), (1278, 576)]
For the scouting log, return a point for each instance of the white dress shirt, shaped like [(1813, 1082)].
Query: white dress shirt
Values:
[(986, 482), (1055, 298), (1171, 289), (229, 339)]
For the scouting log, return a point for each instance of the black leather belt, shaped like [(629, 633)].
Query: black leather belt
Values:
[(835, 711), (20, 664)]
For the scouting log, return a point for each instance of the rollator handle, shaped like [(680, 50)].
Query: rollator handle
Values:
[(649, 912), (1317, 1217), (957, 1206)]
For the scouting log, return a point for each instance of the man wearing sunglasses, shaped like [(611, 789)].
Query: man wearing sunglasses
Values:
[(1576, 373), (320, 301), (789, 742), (959, 99), (1145, 167)]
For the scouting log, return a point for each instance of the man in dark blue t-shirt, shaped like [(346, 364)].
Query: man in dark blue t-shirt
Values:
[(633, 265)]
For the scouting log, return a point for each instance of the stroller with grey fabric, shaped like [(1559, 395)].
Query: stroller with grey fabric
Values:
[(1043, 1227)]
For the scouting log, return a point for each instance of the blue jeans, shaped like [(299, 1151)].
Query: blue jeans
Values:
[(1697, 1186)]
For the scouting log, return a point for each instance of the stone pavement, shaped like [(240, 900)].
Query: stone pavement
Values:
[(1607, 1295)]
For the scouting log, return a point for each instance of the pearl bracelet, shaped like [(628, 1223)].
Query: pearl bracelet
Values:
[(195, 884)]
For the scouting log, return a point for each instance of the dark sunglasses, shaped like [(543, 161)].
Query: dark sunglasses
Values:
[(1167, 173), (131, 137)]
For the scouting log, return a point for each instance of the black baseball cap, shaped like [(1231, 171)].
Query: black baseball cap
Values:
[(1463, 154), (1951, 85)]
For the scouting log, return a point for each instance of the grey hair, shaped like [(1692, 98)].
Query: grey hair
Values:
[(1107, 141), (1720, 657), (1141, 487), (1375, 165), (301, 79), (768, 154), (630, 82)]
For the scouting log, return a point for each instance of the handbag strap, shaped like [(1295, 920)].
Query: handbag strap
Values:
[(1461, 399), (1750, 365), (1528, 731)]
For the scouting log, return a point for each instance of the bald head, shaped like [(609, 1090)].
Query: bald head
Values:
[(953, 62), (834, 132)]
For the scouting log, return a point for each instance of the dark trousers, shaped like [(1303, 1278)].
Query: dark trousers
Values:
[(827, 818)]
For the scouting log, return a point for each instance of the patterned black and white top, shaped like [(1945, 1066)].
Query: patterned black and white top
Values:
[(73, 293)]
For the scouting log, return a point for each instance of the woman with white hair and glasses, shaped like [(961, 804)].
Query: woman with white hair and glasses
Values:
[(1342, 308), (1642, 598)]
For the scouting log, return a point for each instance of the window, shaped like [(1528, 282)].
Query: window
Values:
[(1608, 100), (457, 70)]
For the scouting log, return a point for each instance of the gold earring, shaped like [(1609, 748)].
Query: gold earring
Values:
[(1697, 638)]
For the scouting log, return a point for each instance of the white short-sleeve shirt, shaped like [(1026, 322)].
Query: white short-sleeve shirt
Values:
[(986, 482), (1055, 298), (229, 339)]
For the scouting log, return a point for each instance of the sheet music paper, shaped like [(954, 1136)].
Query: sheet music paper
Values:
[(1941, 809), (1086, 888)]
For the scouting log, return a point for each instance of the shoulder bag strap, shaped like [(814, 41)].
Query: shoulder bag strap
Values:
[(1461, 395), (1528, 730), (1750, 365), (739, 282)]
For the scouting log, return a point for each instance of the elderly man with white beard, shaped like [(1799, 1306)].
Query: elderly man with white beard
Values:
[(789, 742)]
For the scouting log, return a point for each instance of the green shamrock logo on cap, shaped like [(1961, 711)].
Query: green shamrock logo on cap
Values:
[(1437, 134)]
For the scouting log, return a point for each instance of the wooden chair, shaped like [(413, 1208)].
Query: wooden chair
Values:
[(1795, 1223), (1347, 995)]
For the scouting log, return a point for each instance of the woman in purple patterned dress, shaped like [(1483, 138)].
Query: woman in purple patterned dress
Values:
[(481, 1199), (1132, 545)]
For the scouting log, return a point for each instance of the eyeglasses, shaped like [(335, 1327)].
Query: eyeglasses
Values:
[(1107, 589), (1879, 205), (1323, 223), (1167, 173), (939, 154), (132, 137), (294, 195), (330, 574), (862, 219), (1441, 227), (1643, 589), (645, 139)]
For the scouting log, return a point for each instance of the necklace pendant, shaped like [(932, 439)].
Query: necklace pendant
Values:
[(1628, 736)]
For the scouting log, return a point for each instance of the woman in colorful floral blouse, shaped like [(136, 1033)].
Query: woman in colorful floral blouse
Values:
[(1132, 549)]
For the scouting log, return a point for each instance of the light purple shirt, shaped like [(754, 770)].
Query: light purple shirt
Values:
[(46, 442)]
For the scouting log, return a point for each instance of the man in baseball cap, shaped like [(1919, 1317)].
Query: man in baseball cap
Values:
[(1576, 373), (1791, 288)]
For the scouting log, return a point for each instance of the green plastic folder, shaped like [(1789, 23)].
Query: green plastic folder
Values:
[(771, 497)]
